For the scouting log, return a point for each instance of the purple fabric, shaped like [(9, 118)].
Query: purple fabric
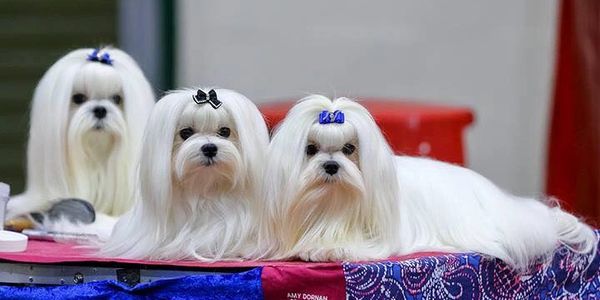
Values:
[(471, 276)]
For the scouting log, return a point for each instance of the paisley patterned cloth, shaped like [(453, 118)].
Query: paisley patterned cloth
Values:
[(471, 276)]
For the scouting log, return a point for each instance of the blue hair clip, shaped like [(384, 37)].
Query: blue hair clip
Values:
[(104, 59), (327, 117)]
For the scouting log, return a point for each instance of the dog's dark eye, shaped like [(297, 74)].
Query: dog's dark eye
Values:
[(79, 98), (348, 149), (185, 133), (117, 99), (224, 132), (311, 150)]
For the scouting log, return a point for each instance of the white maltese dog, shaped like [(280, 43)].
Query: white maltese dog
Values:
[(334, 191), (87, 119), (201, 162)]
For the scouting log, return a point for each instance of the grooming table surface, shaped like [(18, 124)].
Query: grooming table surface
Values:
[(50, 252), (43, 252), (419, 276)]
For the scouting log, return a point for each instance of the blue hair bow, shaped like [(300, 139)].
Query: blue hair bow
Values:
[(104, 59), (327, 117)]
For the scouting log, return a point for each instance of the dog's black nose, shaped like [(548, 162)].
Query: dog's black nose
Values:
[(209, 150), (99, 112), (331, 167)]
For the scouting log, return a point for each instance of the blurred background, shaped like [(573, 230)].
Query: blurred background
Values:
[(527, 69)]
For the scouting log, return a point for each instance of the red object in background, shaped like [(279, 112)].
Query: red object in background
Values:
[(574, 146), (411, 128)]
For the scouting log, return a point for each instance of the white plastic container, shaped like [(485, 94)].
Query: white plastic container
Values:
[(9, 241)]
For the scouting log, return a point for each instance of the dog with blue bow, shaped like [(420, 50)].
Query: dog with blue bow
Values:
[(88, 115), (334, 191)]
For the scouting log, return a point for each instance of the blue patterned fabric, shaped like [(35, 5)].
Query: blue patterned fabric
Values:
[(471, 276), (245, 285)]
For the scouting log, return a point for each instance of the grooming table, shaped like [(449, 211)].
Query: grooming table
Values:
[(50, 270)]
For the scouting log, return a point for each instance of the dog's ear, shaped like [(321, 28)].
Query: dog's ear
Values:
[(252, 132), (378, 170), (46, 169), (287, 150), (157, 150), (148, 220), (137, 92), (286, 156)]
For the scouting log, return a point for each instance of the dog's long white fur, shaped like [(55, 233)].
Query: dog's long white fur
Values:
[(185, 208), (66, 156), (379, 205)]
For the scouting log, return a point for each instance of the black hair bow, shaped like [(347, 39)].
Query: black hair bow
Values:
[(211, 98)]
